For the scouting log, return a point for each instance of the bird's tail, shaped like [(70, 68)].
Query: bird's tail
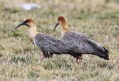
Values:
[(102, 53), (99, 50), (106, 50)]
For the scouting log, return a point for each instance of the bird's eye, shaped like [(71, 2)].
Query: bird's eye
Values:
[(27, 24)]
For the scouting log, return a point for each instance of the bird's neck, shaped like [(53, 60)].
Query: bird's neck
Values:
[(65, 28), (32, 32)]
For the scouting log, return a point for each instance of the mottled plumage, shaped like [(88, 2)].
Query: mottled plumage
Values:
[(78, 43), (49, 45)]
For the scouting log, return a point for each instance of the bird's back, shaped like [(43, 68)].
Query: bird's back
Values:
[(50, 44), (82, 44), (75, 41)]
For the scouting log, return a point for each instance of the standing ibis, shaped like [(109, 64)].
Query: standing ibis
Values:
[(78, 43), (49, 45)]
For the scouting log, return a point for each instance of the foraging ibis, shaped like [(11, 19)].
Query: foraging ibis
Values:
[(49, 45), (78, 43)]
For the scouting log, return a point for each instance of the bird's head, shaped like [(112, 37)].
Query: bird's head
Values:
[(28, 22), (61, 21)]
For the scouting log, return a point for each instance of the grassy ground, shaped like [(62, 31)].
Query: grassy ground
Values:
[(98, 19)]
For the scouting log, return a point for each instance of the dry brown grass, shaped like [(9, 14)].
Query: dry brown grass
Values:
[(96, 18)]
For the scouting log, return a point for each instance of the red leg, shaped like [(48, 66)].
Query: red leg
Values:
[(79, 59), (43, 57)]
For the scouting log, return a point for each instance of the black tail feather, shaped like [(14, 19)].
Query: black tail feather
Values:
[(102, 54), (106, 50)]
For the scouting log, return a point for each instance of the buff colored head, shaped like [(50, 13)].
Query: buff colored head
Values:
[(27, 22), (61, 21)]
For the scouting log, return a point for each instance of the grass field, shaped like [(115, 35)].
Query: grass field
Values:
[(98, 19)]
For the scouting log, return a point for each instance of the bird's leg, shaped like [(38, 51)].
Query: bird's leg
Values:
[(79, 59), (33, 46), (45, 56)]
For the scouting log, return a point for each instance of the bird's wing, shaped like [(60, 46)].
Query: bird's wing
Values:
[(81, 43), (74, 41), (49, 44)]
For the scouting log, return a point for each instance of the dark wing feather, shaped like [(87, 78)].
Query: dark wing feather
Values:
[(80, 43), (50, 44)]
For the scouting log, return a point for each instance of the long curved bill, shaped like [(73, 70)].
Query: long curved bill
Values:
[(20, 25), (56, 26)]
